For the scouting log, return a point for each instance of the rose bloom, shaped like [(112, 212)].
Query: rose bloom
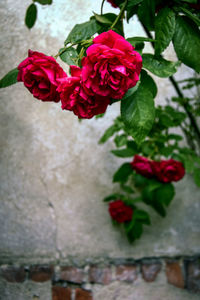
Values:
[(112, 2), (142, 166), (111, 66), (168, 170), (75, 98), (120, 212), (40, 74)]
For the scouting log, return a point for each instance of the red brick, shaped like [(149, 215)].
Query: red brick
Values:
[(193, 275), (100, 275), (13, 273), (61, 293), (126, 273), (81, 294), (150, 271), (72, 274), (174, 274), (40, 273)]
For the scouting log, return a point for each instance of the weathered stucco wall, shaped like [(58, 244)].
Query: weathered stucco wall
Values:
[(54, 175)]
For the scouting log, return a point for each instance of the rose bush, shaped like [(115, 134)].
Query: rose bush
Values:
[(120, 212), (41, 75), (111, 66), (75, 98)]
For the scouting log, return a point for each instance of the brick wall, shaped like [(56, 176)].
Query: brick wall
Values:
[(78, 282)]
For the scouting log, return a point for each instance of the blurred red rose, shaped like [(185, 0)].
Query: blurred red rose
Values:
[(168, 170), (40, 74), (111, 66), (120, 212), (142, 166), (75, 98), (112, 2)]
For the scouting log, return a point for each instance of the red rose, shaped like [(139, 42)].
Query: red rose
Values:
[(120, 212), (111, 66), (168, 170), (40, 74), (112, 2), (75, 98), (142, 166)]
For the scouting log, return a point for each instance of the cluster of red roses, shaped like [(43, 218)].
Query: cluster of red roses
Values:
[(110, 68), (164, 171)]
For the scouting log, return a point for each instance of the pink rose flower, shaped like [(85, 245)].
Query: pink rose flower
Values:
[(40, 74), (77, 99), (168, 170), (120, 212), (142, 166), (111, 66)]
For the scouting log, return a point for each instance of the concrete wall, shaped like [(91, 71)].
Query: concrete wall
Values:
[(54, 175)]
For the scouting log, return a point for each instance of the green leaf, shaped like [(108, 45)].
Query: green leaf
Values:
[(164, 29), (159, 66), (120, 140), (191, 15), (138, 113), (142, 216), (83, 31), (9, 79), (132, 145), (146, 13), (106, 20), (139, 39), (69, 56), (149, 83), (103, 19), (112, 197), (31, 15), (165, 193), (127, 189), (197, 176), (186, 42), (108, 133), (43, 2), (127, 152), (122, 173)]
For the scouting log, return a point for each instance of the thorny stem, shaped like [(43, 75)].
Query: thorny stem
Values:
[(180, 94), (120, 14), (102, 7)]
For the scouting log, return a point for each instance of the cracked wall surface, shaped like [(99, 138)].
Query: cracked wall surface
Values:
[(53, 173)]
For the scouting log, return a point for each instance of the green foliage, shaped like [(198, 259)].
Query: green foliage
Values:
[(82, 31), (164, 29), (69, 55), (122, 174), (9, 79), (127, 152), (31, 15), (146, 13), (186, 42), (138, 113), (159, 66)]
